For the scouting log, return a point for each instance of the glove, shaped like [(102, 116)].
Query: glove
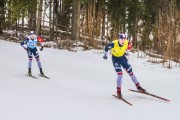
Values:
[(127, 52), (41, 49), (105, 57)]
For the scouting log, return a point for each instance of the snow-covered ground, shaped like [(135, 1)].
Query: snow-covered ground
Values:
[(81, 87)]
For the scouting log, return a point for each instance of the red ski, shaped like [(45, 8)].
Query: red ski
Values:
[(146, 93), (122, 99)]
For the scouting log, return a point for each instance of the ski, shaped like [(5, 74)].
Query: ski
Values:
[(147, 93), (44, 76), (31, 76), (122, 100)]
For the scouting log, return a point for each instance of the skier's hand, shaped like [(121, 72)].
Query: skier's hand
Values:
[(41, 49), (127, 52), (105, 57), (25, 48)]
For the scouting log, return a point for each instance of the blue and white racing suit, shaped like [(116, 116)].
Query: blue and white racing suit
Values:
[(29, 45)]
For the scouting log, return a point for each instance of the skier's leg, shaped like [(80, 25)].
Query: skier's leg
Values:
[(119, 72), (36, 55), (125, 64), (129, 70), (30, 61), (131, 74)]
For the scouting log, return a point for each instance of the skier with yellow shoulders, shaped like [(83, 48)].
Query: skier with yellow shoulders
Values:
[(119, 49)]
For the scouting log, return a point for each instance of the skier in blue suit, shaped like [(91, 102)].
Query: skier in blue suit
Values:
[(29, 44)]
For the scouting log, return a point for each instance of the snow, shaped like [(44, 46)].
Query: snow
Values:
[(81, 87)]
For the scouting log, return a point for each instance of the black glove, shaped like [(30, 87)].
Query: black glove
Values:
[(41, 49), (127, 52), (105, 57)]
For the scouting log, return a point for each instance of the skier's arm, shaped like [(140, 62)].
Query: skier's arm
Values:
[(109, 46), (128, 48), (24, 43), (41, 42)]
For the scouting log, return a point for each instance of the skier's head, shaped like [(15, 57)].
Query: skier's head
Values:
[(122, 38), (32, 32), (32, 35)]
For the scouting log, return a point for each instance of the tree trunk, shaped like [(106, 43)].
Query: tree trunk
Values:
[(1, 15), (32, 17), (76, 20), (22, 20), (171, 30), (38, 26), (50, 14)]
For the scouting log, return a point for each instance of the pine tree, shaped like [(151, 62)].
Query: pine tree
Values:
[(2, 2)]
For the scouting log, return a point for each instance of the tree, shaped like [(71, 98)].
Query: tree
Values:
[(76, 19), (38, 26), (32, 8), (1, 15)]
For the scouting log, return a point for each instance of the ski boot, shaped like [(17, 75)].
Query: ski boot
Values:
[(41, 72), (119, 95), (142, 90), (29, 72)]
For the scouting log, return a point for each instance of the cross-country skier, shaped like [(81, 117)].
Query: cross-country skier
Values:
[(29, 44), (119, 50)]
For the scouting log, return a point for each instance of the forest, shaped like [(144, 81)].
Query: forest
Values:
[(153, 26)]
